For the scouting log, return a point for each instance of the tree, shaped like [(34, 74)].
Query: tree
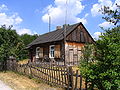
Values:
[(10, 44), (103, 71), (87, 60), (26, 39), (112, 16), (108, 56)]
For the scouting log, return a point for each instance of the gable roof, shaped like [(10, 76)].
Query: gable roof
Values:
[(56, 35)]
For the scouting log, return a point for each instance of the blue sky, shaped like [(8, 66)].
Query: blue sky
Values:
[(31, 16)]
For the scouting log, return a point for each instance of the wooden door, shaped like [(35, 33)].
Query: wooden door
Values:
[(71, 56), (75, 57), (79, 55)]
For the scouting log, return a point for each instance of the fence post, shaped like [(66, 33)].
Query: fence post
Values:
[(70, 78), (11, 63), (76, 80), (86, 83), (80, 82), (30, 71)]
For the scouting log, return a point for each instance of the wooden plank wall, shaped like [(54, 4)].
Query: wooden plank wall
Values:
[(75, 35), (73, 53)]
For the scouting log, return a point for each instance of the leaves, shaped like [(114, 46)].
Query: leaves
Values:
[(8, 42), (112, 16), (104, 69)]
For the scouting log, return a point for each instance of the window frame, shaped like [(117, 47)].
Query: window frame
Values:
[(37, 52), (50, 54)]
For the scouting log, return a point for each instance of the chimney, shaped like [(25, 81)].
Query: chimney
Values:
[(58, 27), (65, 25)]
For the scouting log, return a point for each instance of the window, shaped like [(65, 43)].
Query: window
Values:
[(37, 52), (82, 38), (52, 51)]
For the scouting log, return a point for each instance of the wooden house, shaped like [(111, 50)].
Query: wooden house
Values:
[(60, 45)]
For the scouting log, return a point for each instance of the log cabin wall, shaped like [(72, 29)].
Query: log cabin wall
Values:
[(74, 42), (45, 49), (80, 35), (71, 49)]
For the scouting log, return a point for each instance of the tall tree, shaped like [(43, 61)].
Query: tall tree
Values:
[(104, 70), (10, 44), (111, 15), (26, 39)]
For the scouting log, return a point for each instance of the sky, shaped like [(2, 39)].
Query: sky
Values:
[(32, 16)]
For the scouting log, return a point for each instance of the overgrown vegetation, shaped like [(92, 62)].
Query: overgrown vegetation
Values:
[(100, 63), (26, 39), (12, 44)]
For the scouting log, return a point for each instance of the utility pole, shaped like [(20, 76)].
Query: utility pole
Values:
[(49, 26), (65, 28)]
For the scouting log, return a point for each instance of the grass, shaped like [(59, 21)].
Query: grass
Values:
[(21, 82), (56, 73), (25, 61)]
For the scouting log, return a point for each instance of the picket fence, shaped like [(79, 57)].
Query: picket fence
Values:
[(54, 75)]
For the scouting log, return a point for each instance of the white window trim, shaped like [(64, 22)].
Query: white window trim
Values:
[(36, 55), (50, 51)]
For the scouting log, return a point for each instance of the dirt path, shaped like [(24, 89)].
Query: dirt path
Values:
[(20, 82), (4, 86)]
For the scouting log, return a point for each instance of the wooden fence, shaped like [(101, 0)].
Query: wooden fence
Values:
[(1, 66), (54, 75)]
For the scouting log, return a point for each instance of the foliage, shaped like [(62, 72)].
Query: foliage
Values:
[(112, 16), (10, 44), (100, 63), (26, 39), (102, 68), (108, 55)]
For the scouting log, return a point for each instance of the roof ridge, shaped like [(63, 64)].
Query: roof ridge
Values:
[(60, 29), (55, 35)]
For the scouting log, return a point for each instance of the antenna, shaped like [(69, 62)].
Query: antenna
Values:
[(65, 27), (49, 22)]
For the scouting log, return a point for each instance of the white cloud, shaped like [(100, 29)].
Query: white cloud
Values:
[(86, 15), (58, 10), (96, 7), (3, 7), (96, 35), (10, 20), (106, 25), (7, 19), (24, 31), (114, 5), (13, 19)]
